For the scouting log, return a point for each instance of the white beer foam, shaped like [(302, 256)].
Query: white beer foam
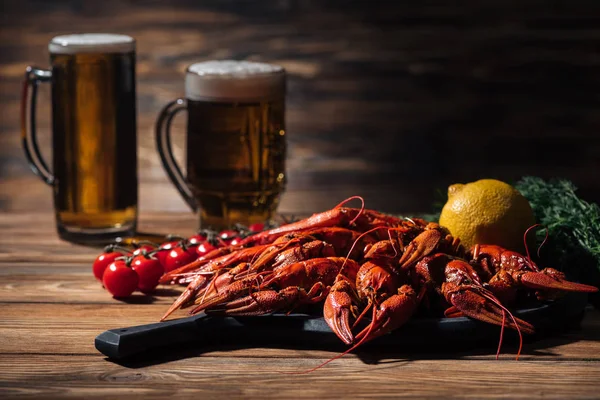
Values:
[(230, 80), (91, 43)]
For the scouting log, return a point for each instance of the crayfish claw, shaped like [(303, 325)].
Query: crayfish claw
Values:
[(421, 246), (550, 279), (339, 308), (486, 308), (453, 312), (187, 297), (392, 313)]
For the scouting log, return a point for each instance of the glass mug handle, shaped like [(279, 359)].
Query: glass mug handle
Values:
[(163, 143), (33, 77)]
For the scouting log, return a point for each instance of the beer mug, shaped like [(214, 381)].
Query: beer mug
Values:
[(94, 168), (236, 146)]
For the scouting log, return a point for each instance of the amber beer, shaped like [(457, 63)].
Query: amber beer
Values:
[(236, 145), (94, 135)]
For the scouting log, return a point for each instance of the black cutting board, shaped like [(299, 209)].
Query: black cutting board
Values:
[(310, 331)]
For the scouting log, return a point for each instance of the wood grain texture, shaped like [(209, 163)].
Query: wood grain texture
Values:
[(75, 325), (385, 98), (216, 377), (52, 308)]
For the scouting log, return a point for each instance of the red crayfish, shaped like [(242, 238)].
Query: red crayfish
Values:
[(371, 272)]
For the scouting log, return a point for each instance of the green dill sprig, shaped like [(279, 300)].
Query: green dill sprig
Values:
[(573, 224)]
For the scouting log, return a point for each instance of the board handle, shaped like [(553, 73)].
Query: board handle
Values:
[(264, 330), (124, 342)]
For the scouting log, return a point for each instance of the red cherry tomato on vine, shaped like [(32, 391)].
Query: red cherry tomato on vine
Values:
[(235, 241), (103, 261), (192, 251), (119, 279), (178, 257), (196, 239), (204, 248), (148, 248), (149, 271), (162, 255), (257, 227), (227, 236)]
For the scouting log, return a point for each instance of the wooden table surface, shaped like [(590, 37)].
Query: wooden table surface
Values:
[(388, 100), (52, 309)]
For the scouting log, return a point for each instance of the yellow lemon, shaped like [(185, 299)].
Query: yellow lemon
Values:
[(487, 211)]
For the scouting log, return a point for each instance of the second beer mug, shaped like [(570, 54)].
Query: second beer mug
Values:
[(236, 147)]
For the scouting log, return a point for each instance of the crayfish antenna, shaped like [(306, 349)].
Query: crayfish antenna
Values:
[(349, 199), (502, 337), (354, 347), (525, 241), (516, 325), (362, 207)]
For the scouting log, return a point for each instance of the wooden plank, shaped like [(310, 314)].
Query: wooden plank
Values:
[(72, 287), (33, 237), (71, 329), (37, 225), (210, 377)]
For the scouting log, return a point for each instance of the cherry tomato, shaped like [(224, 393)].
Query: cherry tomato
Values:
[(178, 257), (227, 236), (235, 241), (204, 248), (149, 271), (257, 227), (103, 261), (196, 239), (119, 279), (162, 255), (148, 248)]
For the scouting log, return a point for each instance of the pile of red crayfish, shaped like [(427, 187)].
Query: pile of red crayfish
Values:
[(371, 272)]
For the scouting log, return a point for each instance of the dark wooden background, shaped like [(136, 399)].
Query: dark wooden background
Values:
[(388, 100)]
